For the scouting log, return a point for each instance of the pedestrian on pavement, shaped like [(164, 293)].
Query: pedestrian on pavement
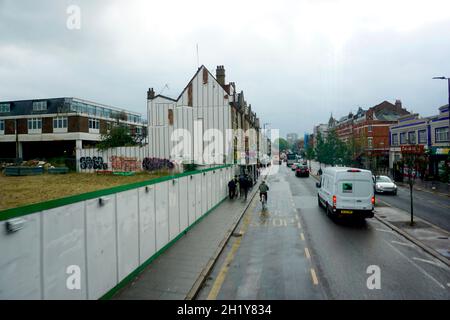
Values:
[(247, 184), (232, 188), (242, 183), (236, 181)]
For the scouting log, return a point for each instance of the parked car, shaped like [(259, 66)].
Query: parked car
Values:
[(302, 170), (384, 184), (346, 192), (294, 166)]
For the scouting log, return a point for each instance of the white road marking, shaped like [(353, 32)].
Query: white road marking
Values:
[(435, 263), (385, 230), (416, 265), (299, 225), (403, 244)]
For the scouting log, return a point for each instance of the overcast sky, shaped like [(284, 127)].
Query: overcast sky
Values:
[(297, 61)]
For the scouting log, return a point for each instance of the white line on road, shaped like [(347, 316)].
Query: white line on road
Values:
[(435, 263), (403, 244), (416, 265), (299, 225), (384, 230)]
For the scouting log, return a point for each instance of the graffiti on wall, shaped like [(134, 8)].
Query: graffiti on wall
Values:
[(152, 164), (125, 163), (93, 163)]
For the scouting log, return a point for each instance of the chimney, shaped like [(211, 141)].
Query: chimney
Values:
[(398, 104), (220, 75), (150, 94)]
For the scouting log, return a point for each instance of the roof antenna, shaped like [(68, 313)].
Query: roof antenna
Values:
[(166, 86)]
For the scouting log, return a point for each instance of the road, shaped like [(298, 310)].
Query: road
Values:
[(294, 251), (429, 206)]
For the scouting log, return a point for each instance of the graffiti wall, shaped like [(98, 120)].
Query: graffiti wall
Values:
[(123, 159)]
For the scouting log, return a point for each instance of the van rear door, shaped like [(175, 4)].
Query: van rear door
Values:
[(355, 191)]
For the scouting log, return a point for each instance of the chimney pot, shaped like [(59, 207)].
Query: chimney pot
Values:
[(150, 94), (220, 75)]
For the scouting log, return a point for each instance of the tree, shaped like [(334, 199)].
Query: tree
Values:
[(334, 148), (309, 155), (320, 150), (118, 136), (283, 145)]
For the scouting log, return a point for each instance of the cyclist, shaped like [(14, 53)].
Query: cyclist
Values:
[(263, 188)]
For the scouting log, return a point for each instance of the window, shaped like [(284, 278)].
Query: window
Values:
[(34, 124), (412, 137), (369, 142), (403, 138), (94, 123), (39, 105), (5, 107), (2, 125), (60, 123), (441, 134), (422, 136), (369, 128), (395, 139)]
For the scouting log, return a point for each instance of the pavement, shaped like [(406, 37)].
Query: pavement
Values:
[(178, 273), (294, 251)]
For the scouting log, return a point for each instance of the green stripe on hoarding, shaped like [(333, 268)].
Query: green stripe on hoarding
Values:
[(51, 204), (141, 268)]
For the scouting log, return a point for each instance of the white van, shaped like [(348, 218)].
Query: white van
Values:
[(346, 192)]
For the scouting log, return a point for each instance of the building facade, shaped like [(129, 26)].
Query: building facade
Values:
[(368, 131), (291, 138), (206, 124), (428, 136), (46, 128)]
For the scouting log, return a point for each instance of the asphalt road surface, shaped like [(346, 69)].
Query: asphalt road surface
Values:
[(294, 251)]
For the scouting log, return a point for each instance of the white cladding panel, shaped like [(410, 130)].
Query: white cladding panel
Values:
[(174, 211), (101, 249), (162, 214), (127, 232), (183, 203), (63, 247), (147, 223), (20, 261)]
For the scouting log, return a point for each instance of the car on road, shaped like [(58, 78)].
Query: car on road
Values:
[(384, 184), (346, 192), (294, 166), (302, 170)]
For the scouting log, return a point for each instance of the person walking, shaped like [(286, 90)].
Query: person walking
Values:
[(232, 188), (236, 181), (241, 185), (246, 186)]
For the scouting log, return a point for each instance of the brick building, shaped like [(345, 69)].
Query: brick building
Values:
[(370, 129)]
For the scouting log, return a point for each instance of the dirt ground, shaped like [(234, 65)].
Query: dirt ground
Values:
[(25, 190)]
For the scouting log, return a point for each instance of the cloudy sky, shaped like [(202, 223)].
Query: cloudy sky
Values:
[(297, 61)]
